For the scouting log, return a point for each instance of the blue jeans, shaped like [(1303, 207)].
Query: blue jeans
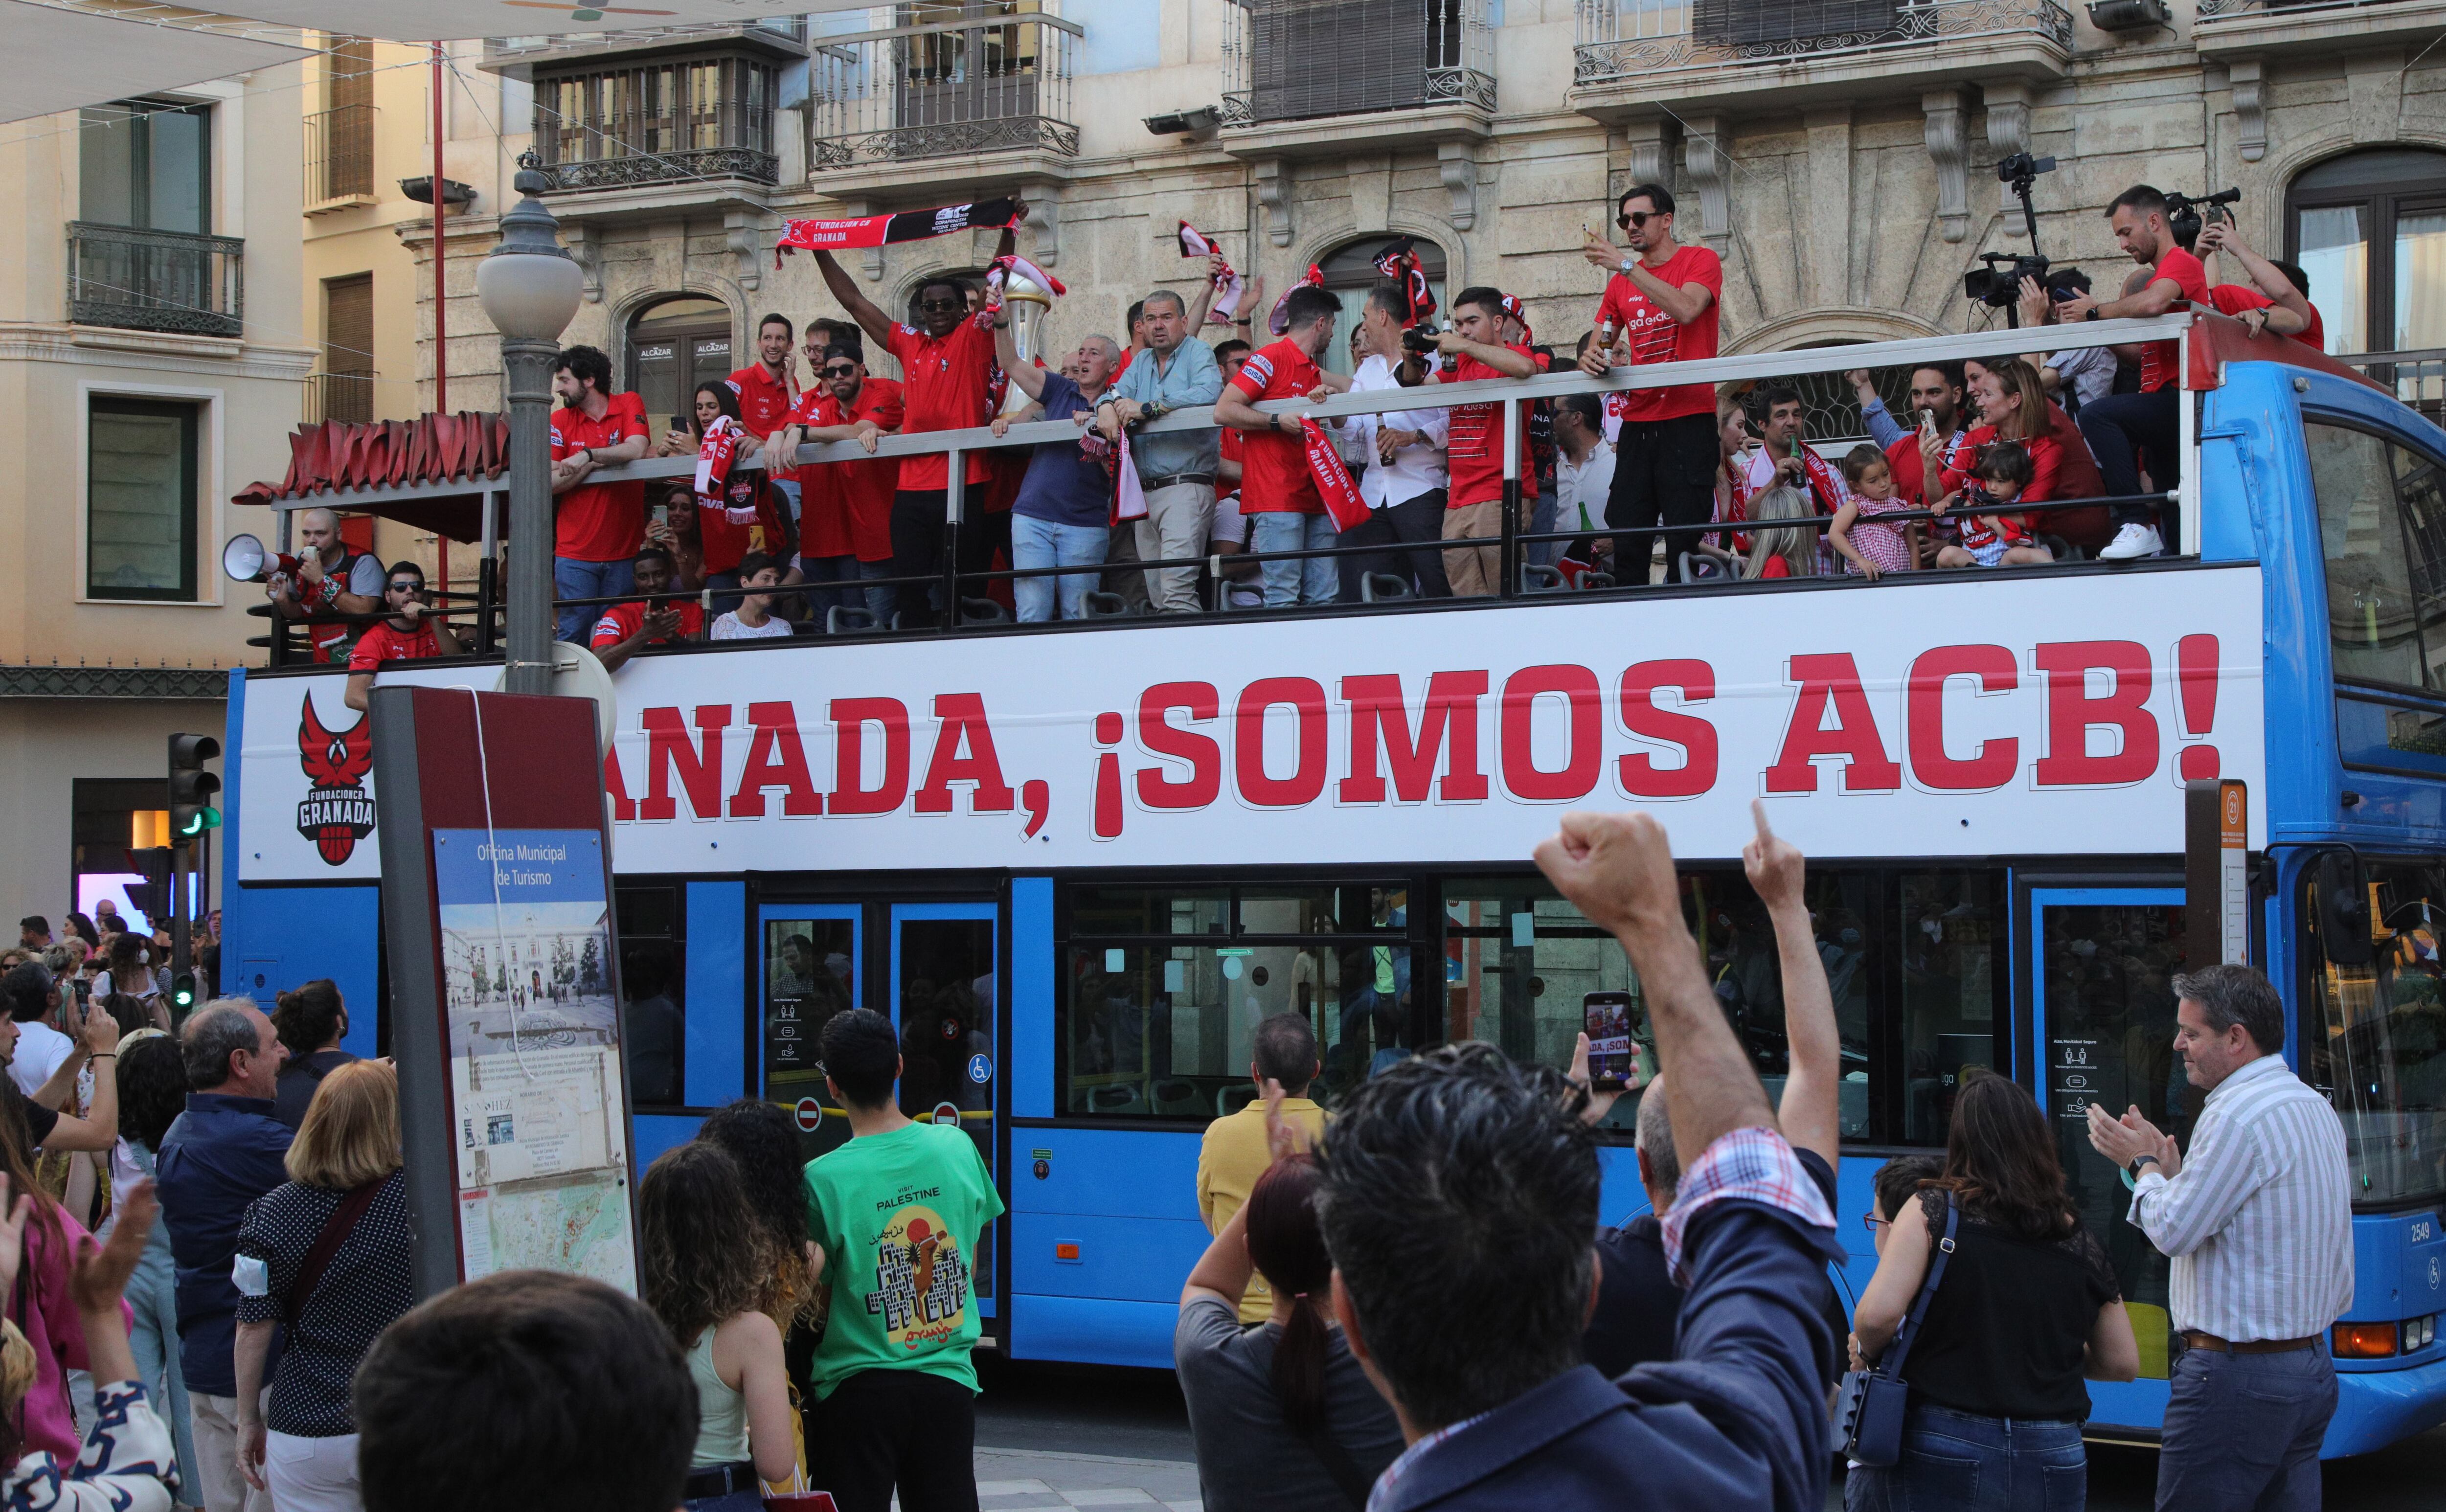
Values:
[(573, 578), (1044, 543), (789, 487), (1963, 1460), (1310, 581), (1541, 520), (2243, 1431), (154, 1341)]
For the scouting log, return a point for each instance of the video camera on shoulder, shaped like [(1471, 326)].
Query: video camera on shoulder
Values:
[(2188, 215)]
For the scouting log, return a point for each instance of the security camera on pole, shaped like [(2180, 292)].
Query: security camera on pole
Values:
[(529, 288)]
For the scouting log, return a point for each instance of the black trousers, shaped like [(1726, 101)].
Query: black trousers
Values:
[(1415, 522), (909, 1430), (918, 527), (1664, 473), (2117, 425)]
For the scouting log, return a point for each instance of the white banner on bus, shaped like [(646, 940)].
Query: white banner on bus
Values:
[(1978, 717)]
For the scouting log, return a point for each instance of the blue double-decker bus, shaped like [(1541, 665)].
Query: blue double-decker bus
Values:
[(1078, 862)]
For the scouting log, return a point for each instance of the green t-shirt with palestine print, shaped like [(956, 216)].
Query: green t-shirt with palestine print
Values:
[(898, 1215)]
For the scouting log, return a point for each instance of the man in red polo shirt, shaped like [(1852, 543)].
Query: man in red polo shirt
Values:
[(846, 534), (1661, 305), (2271, 280), (596, 528), (2120, 425), (1474, 446), (1278, 497), (768, 388), (406, 635), (658, 620), (946, 366)]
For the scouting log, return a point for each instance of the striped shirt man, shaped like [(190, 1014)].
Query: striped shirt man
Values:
[(2258, 1221)]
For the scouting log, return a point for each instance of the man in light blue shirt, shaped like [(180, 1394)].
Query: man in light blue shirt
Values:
[(1176, 470)]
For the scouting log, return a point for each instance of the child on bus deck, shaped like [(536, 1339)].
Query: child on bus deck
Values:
[(1871, 547), (1993, 541)]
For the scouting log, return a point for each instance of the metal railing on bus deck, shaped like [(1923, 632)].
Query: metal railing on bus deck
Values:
[(947, 586)]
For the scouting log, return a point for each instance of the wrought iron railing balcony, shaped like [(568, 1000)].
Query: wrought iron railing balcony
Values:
[(339, 154), (339, 396), (2213, 12), (1304, 59), (660, 120), (948, 89), (155, 280), (1630, 39)]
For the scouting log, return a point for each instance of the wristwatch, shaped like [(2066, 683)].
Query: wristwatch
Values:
[(2139, 1161), (1625, 265), (2093, 314)]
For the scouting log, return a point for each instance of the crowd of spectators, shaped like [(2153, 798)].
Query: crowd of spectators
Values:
[(1625, 488)]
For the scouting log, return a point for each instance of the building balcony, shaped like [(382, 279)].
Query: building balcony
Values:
[(916, 109), (697, 108), (2233, 29), (135, 280), (339, 158), (1328, 77), (1638, 57)]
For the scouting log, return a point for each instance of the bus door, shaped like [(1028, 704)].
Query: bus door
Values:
[(812, 959), (2101, 1029), (944, 997)]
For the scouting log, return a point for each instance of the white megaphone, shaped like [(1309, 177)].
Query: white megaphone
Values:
[(247, 560)]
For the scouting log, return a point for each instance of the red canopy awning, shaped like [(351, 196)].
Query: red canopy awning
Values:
[(431, 473)]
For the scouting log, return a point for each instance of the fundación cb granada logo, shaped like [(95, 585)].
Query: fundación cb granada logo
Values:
[(337, 811)]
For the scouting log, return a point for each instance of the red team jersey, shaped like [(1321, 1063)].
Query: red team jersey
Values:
[(945, 386), (845, 509), (764, 401), (1655, 336), (2157, 359), (598, 521), (620, 621), (1273, 464), (1475, 448), (385, 642)]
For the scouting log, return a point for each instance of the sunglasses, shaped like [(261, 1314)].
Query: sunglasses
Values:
[(1638, 217), (842, 372), (407, 586), (943, 304)]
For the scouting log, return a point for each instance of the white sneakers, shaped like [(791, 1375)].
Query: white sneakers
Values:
[(2132, 541)]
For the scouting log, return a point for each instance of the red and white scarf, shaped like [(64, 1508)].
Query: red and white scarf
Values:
[(882, 231), (714, 457), (1231, 286), (998, 273), (1280, 321), (1343, 500)]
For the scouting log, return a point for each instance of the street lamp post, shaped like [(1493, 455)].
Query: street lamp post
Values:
[(529, 287)]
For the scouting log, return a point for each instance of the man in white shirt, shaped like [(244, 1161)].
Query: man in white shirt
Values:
[(2258, 1221), (1406, 483), (41, 1049), (1583, 475)]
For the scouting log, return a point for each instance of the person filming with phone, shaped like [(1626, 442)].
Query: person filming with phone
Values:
[(1639, 1308)]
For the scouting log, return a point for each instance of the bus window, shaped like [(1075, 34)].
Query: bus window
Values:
[(653, 981), (2382, 529), (1517, 961), (1948, 956), (1157, 1027), (2378, 1044), (808, 978)]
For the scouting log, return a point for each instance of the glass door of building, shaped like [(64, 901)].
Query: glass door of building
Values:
[(2103, 1031)]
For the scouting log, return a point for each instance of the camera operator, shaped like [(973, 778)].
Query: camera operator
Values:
[(2078, 375), (2275, 284), (2119, 426)]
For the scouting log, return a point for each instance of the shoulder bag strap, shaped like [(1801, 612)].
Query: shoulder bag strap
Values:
[(336, 1230), (1347, 1476), (1892, 1364)]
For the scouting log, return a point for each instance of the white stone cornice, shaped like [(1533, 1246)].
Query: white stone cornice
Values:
[(152, 351)]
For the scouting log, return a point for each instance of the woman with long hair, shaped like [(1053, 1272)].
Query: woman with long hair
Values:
[(311, 1020), (152, 1094), (704, 1261), (1786, 552), (2026, 1307), (1283, 1415), (344, 1178), (41, 1304), (762, 1140)]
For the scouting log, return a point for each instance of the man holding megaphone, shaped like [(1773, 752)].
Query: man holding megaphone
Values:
[(327, 580)]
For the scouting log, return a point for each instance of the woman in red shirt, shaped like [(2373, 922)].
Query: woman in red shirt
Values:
[(2012, 404)]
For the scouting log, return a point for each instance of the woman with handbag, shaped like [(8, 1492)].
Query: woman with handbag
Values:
[(1990, 1303), (324, 1259)]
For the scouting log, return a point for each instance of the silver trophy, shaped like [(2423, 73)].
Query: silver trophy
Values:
[(1028, 303)]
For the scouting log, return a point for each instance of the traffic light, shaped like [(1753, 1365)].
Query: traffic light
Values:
[(191, 787), (182, 993)]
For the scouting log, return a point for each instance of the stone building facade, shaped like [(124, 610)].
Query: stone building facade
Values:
[(1839, 155)]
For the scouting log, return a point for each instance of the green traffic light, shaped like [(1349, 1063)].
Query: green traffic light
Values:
[(182, 991)]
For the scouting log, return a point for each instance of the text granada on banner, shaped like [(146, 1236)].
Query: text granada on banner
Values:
[(1973, 718)]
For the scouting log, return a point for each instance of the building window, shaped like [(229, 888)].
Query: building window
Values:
[(117, 827), (146, 164), (661, 121), (2370, 230), (673, 346), (1350, 272), (653, 983), (140, 504), (346, 381)]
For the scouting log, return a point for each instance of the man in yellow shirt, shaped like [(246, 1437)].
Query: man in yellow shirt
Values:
[(1235, 1153)]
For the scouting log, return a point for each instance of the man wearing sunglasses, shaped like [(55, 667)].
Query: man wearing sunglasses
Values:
[(1660, 306), (846, 536), (946, 362), (406, 635)]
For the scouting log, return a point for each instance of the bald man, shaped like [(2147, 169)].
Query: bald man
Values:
[(330, 579)]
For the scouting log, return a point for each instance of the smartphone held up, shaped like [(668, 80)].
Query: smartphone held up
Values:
[(1611, 1052)]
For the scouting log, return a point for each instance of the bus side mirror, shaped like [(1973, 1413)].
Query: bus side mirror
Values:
[(2342, 891)]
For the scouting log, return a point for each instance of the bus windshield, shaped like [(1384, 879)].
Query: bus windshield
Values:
[(2378, 1048)]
